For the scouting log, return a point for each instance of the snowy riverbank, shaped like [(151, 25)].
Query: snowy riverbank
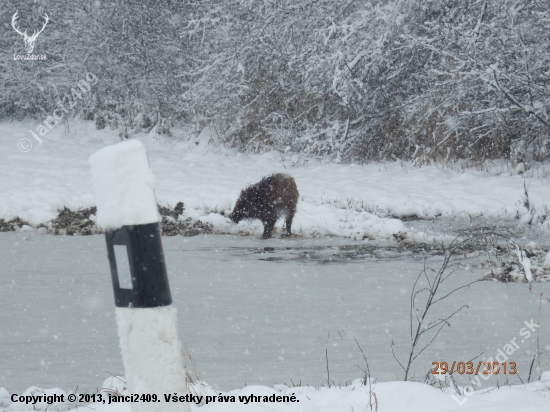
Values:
[(360, 201)]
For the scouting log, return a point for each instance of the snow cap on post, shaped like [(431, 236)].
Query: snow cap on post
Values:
[(124, 186)]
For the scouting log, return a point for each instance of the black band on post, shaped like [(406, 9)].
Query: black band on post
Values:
[(137, 265)]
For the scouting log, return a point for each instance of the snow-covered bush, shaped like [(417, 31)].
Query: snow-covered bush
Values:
[(343, 81)]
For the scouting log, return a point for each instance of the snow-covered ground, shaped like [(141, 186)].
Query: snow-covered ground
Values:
[(383, 397), (341, 200)]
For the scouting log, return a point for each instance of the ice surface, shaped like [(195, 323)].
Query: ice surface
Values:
[(250, 311)]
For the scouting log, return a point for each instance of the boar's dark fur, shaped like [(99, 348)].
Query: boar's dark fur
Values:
[(267, 200)]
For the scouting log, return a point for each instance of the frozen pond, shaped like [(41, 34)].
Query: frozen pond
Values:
[(250, 311)]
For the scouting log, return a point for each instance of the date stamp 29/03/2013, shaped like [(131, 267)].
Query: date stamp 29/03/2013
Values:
[(486, 368)]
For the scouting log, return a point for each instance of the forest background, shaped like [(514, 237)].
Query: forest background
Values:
[(345, 81)]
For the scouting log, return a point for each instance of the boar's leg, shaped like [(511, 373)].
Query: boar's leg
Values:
[(288, 222), (268, 228)]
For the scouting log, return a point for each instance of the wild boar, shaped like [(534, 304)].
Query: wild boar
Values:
[(267, 200)]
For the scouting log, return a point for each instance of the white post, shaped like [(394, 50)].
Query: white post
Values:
[(147, 323)]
